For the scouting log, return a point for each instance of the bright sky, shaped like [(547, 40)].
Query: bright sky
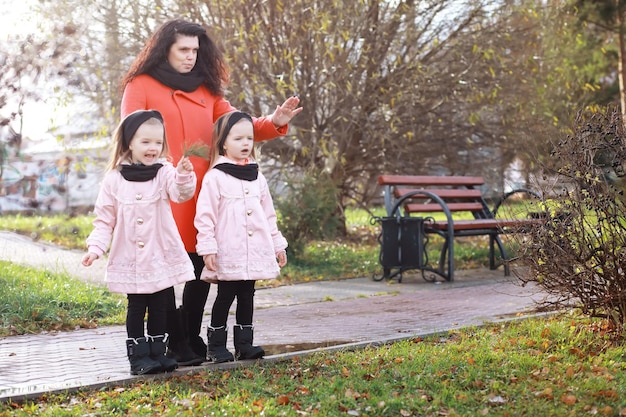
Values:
[(16, 18)]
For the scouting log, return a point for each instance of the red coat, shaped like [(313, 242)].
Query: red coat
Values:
[(189, 118)]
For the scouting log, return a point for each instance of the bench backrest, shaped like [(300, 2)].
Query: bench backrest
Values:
[(460, 193)]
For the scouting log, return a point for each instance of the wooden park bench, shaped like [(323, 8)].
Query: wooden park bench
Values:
[(410, 202)]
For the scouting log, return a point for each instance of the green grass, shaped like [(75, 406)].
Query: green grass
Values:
[(61, 229), (561, 366), (34, 300)]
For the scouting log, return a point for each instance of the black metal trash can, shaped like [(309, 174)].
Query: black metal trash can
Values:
[(402, 243)]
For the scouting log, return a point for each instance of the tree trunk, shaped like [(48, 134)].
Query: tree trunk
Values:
[(621, 64)]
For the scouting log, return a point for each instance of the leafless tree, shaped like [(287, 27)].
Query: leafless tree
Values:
[(407, 86)]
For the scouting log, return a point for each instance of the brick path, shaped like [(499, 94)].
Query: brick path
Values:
[(290, 318)]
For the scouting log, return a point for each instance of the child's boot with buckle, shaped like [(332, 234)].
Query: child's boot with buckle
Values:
[(158, 347), (141, 363), (216, 351), (243, 338)]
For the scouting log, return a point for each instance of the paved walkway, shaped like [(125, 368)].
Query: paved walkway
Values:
[(288, 319)]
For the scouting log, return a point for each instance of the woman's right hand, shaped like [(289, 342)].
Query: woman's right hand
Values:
[(286, 111)]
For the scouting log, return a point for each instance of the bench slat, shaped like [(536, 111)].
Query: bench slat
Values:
[(425, 180), (477, 224), (435, 207), (459, 193)]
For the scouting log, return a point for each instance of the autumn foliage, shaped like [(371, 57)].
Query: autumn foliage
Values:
[(578, 256)]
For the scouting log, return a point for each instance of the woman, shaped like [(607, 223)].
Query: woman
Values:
[(181, 73)]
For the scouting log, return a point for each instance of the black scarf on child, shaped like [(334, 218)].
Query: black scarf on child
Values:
[(139, 172), (248, 172), (167, 75)]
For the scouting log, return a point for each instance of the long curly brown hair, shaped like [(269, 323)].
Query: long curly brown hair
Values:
[(210, 63)]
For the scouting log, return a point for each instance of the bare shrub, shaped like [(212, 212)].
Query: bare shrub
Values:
[(578, 256)]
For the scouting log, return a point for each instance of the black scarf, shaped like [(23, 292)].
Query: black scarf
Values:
[(187, 82), (248, 172), (139, 172)]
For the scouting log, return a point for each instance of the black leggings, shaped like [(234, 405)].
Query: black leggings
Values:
[(156, 305), (196, 292), (226, 293)]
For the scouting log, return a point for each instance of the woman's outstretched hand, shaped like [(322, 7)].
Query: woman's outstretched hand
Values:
[(286, 111)]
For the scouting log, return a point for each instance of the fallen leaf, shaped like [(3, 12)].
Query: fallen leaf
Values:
[(568, 399), (607, 410)]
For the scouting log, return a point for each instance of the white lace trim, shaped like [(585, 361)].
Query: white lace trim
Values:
[(121, 277)]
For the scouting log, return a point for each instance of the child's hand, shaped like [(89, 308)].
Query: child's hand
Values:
[(210, 261), (184, 166), (282, 258), (89, 258)]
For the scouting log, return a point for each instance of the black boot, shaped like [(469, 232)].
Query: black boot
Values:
[(244, 336), (193, 320), (141, 363), (216, 351), (178, 346), (158, 346)]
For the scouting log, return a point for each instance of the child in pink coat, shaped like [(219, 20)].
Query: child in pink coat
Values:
[(238, 237), (134, 223)]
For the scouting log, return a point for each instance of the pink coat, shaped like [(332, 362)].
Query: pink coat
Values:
[(134, 220), (237, 221)]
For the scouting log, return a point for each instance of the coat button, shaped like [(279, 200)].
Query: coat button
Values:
[(249, 212), (138, 197), (141, 244), (140, 221), (250, 232), (246, 191)]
